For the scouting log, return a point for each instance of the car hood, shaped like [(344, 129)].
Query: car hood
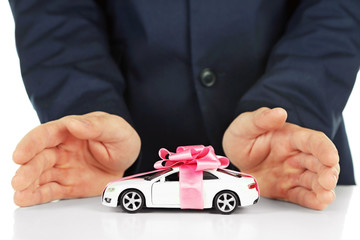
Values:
[(133, 181)]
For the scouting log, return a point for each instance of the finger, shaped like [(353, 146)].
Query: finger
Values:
[(306, 161), (32, 170), (60, 175), (100, 126), (317, 144), (250, 125), (307, 198), (107, 135), (44, 136), (309, 180), (97, 126), (328, 177), (46, 193)]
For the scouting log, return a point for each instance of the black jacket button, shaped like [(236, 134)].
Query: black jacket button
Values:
[(207, 77)]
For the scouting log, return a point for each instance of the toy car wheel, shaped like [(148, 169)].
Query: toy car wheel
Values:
[(132, 201), (226, 202)]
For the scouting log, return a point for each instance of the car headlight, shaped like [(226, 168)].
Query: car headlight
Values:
[(110, 189)]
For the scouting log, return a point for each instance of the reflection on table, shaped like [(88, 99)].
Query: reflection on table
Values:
[(269, 219)]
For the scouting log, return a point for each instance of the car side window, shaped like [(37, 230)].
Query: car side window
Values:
[(209, 176), (172, 177)]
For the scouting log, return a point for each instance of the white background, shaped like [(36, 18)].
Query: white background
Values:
[(18, 116), (87, 216)]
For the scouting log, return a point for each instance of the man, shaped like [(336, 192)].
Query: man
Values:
[(169, 73)]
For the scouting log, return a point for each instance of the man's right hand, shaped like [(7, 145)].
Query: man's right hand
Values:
[(75, 156)]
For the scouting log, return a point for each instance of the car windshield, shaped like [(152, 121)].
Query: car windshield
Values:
[(155, 175), (230, 173)]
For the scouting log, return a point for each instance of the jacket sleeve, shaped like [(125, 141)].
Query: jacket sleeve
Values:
[(312, 69), (65, 58)]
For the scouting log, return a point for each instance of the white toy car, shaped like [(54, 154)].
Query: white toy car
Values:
[(223, 190)]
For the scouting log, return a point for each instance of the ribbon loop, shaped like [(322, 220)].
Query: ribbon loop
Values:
[(204, 158)]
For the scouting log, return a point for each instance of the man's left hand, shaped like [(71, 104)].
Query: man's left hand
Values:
[(290, 162)]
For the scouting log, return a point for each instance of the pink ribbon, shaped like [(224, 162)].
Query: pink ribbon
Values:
[(192, 161)]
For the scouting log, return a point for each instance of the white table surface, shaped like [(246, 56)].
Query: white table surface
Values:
[(269, 219)]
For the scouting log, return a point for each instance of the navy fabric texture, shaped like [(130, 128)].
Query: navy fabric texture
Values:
[(142, 60)]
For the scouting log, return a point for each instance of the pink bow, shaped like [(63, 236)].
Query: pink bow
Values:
[(192, 161)]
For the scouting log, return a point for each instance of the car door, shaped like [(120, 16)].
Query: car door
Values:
[(211, 186), (165, 191)]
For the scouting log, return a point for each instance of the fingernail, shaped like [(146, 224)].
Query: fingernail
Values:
[(279, 111)]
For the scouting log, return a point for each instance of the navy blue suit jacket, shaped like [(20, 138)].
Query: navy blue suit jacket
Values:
[(143, 60)]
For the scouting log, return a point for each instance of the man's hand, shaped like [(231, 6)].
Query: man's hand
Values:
[(75, 156), (291, 163)]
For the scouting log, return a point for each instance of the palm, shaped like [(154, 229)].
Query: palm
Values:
[(79, 164), (270, 155), (290, 163)]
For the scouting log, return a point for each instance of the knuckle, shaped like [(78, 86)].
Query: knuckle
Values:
[(262, 109), (314, 164), (97, 113)]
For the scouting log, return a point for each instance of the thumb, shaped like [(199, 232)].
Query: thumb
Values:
[(250, 125), (239, 138), (100, 126)]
